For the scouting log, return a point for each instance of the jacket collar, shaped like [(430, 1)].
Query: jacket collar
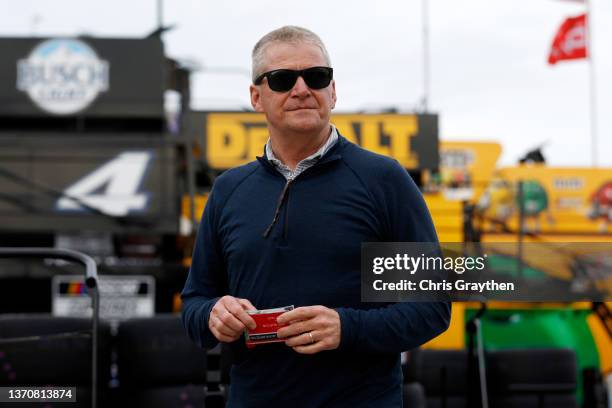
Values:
[(333, 154)]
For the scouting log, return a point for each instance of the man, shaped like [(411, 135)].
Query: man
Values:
[(287, 230)]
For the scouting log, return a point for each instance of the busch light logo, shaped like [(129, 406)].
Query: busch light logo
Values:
[(62, 76)]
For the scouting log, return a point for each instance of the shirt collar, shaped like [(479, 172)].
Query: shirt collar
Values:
[(331, 140)]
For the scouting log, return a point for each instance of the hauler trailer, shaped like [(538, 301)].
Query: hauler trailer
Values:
[(92, 158)]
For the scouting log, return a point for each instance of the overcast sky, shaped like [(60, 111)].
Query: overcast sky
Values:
[(488, 70)]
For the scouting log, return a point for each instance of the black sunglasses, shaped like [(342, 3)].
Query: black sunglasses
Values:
[(282, 80)]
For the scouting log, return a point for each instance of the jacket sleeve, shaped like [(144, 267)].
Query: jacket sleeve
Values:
[(206, 280), (402, 326)]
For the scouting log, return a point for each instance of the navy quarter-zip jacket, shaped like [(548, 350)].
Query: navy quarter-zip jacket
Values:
[(311, 256)]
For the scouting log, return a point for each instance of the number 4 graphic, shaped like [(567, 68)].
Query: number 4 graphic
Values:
[(112, 188)]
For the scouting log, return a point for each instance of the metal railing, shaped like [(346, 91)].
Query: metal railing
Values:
[(91, 281)]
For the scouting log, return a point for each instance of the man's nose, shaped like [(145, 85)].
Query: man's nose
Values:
[(300, 88)]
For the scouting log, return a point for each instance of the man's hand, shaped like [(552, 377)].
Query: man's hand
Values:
[(310, 329), (228, 318)]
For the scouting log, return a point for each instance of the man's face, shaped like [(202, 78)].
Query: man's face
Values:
[(301, 109)]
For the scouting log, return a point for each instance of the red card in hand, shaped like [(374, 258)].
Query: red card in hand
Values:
[(267, 327)]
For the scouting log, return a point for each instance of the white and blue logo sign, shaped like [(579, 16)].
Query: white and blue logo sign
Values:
[(63, 76)]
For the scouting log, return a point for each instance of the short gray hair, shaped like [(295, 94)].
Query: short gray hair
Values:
[(286, 34)]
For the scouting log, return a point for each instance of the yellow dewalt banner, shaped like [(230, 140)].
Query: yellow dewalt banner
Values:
[(233, 139)]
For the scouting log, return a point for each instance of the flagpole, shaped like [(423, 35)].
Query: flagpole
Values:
[(160, 13), (592, 87), (425, 11)]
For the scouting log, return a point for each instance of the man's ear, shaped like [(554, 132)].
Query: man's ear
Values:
[(333, 95), (255, 98)]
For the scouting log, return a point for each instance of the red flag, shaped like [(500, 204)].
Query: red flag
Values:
[(570, 41)]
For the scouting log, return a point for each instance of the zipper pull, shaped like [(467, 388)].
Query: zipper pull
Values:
[(281, 199)]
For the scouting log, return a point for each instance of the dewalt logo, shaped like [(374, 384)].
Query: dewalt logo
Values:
[(232, 139)]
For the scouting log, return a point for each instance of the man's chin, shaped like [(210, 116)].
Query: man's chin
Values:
[(304, 121), (305, 126)]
